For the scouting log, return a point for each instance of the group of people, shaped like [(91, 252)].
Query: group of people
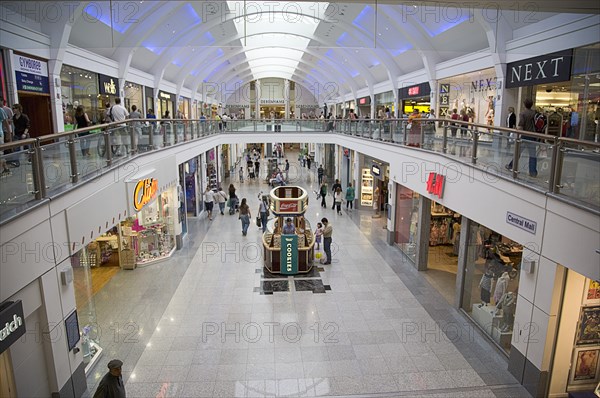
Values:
[(338, 196), (14, 126)]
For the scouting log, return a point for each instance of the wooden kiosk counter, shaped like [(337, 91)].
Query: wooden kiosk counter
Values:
[(288, 230)]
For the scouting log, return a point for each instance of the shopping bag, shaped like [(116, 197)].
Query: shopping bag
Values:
[(258, 223), (318, 255)]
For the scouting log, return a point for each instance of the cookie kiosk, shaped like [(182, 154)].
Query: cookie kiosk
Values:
[(288, 242)]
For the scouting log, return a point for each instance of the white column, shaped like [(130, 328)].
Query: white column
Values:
[(392, 212), (258, 94), (286, 96), (58, 121)]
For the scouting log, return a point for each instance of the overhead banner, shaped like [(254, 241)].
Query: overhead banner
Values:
[(31, 74), (289, 254), (549, 68)]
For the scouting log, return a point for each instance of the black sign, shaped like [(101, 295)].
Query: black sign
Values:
[(417, 91), (550, 68), (72, 327), (166, 96), (32, 83), (12, 324), (108, 85)]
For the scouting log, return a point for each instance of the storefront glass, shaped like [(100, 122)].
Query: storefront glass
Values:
[(184, 108), (149, 93), (150, 235), (80, 87), (491, 282), (407, 217), (134, 96), (191, 187)]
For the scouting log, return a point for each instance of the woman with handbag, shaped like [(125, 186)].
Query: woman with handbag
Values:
[(263, 210)]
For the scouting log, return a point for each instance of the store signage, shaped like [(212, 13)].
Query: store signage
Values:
[(419, 90), (486, 84), (144, 192), (12, 324), (272, 101), (549, 68), (31, 74), (521, 222), (444, 96), (376, 170), (289, 254), (309, 106), (287, 206), (435, 184), (166, 96), (364, 101), (107, 85)]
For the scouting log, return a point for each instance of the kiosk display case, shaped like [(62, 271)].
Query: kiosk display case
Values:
[(288, 253)]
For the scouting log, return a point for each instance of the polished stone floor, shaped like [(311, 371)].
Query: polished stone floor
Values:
[(210, 322)]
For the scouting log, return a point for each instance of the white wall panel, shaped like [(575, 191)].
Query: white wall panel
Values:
[(522, 326), (51, 297), (60, 237), (67, 292), (528, 282), (547, 298), (25, 258)]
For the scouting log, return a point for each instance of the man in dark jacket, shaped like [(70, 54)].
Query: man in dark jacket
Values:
[(111, 385), (320, 173), (333, 189)]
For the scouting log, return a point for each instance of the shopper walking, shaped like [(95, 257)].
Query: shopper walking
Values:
[(233, 199), (308, 160), (350, 195), (245, 216), (320, 173), (323, 194), (22, 124), (263, 210), (257, 167), (221, 199), (334, 190), (337, 198), (287, 170), (118, 113), (241, 174), (527, 123), (111, 385), (82, 121), (208, 202), (327, 232)]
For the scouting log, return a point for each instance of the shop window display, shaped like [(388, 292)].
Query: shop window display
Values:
[(492, 282), (149, 236)]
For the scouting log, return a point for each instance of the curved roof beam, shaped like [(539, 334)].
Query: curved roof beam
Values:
[(211, 24), (420, 42), (328, 75), (362, 70), (497, 33)]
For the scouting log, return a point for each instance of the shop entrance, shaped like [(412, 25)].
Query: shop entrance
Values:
[(442, 258), (38, 108), (267, 112)]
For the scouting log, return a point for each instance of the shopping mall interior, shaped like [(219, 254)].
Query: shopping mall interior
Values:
[(357, 199)]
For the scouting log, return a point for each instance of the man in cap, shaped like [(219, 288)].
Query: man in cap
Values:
[(111, 385)]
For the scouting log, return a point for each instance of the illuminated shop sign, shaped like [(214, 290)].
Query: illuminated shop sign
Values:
[(12, 324), (108, 85), (31, 74), (435, 184), (166, 96), (418, 90), (364, 101), (549, 68), (286, 206), (145, 191)]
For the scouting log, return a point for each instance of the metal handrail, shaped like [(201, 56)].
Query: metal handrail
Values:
[(363, 128)]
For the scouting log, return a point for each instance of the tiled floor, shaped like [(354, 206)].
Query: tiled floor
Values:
[(202, 325)]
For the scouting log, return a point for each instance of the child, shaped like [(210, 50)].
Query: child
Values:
[(241, 174), (318, 234)]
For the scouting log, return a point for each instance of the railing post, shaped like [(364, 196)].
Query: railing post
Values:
[(163, 127), (515, 162), (73, 158), (422, 139), (107, 146), (132, 139), (174, 127), (151, 136), (39, 180), (475, 146), (405, 133), (558, 152), (185, 131), (445, 139)]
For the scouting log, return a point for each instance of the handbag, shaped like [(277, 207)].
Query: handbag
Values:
[(258, 223)]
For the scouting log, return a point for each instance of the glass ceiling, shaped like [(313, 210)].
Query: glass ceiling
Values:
[(281, 30)]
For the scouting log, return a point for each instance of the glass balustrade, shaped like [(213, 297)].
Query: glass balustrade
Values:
[(565, 167)]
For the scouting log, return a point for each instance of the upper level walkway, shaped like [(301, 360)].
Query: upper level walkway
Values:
[(50, 165)]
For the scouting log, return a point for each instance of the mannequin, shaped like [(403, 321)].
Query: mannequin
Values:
[(501, 287), (486, 287), (507, 304)]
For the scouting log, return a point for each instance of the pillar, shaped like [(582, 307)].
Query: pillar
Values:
[(286, 97), (391, 227), (58, 120), (423, 233), (464, 273)]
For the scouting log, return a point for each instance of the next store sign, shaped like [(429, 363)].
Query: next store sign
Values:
[(550, 68)]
